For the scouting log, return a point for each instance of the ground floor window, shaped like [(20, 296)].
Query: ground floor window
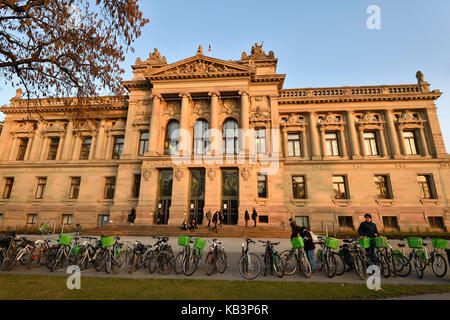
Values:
[(346, 222), (390, 222), (67, 219), (302, 221), (436, 223), (31, 218), (263, 219)]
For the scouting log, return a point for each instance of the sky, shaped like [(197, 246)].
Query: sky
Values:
[(318, 43)]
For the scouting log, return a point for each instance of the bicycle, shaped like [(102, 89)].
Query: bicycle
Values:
[(327, 258), (165, 258), (63, 252), (272, 259), (295, 259), (436, 260), (403, 263), (139, 256), (354, 257), (216, 259), (192, 263), (249, 263), (88, 253), (180, 258)]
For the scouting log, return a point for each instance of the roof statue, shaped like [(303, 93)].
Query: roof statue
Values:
[(154, 58), (200, 50), (257, 52), (419, 76)]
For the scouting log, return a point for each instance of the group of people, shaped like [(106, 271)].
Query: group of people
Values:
[(366, 229)]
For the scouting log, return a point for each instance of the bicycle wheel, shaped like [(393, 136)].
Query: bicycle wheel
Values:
[(179, 259), (439, 265), (134, 264), (384, 263), (99, 263), (418, 266), (305, 265), (278, 266), (24, 258), (320, 260), (249, 266), (190, 264), (289, 261), (165, 262), (58, 259), (152, 262), (210, 264), (402, 265), (221, 262), (360, 267), (118, 261), (330, 265)]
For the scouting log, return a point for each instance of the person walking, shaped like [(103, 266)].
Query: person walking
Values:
[(254, 216), (208, 217), (306, 234), (369, 229), (132, 216), (221, 218), (215, 220), (247, 217)]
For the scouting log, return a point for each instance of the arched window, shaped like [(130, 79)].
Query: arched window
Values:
[(172, 141), (230, 134), (201, 136)]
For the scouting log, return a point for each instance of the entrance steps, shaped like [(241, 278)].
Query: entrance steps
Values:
[(268, 232)]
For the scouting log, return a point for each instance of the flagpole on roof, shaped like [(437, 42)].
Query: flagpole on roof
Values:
[(209, 49)]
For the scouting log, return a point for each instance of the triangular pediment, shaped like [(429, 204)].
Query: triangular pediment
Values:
[(200, 66)]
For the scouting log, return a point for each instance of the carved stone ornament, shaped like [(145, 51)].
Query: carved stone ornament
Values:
[(229, 106), (199, 108), (257, 52), (55, 127), (259, 108), (245, 173), (154, 58), (212, 173), (146, 174), (87, 126), (199, 67), (26, 127), (172, 108), (179, 174)]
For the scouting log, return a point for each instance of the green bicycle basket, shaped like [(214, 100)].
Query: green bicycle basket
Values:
[(381, 242), (364, 243), (65, 240), (107, 242), (332, 243), (415, 243), (199, 243), (183, 241), (440, 243), (297, 243)]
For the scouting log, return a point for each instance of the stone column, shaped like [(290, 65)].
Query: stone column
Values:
[(314, 136), (305, 152), (60, 147), (402, 141), (362, 142), (12, 149), (383, 143), (184, 125), (393, 139), (324, 142), (92, 148), (44, 148), (129, 152), (244, 121), (35, 146), (285, 144), (29, 147), (423, 143), (154, 125), (353, 140), (438, 146), (274, 134), (100, 143), (76, 148), (343, 142), (108, 151), (68, 141), (213, 122)]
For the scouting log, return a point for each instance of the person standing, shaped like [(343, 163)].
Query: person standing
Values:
[(132, 216), (215, 220), (305, 233), (221, 218), (294, 228), (254, 216), (208, 217), (247, 217), (369, 229)]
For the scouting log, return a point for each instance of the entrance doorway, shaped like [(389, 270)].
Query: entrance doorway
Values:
[(103, 220), (230, 196), (197, 195), (165, 196)]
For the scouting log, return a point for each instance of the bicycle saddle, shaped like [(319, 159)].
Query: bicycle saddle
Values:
[(424, 244), (401, 245), (347, 241)]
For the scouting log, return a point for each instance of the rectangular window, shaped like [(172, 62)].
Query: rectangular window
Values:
[(390, 222), (436, 223), (346, 222), (143, 142), (110, 187), (53, 149), (118, 147), (8, 188), (1, 217), (31, 218), (136, 185), (302, 221), (74, 188), (22, 149), (299, 187), (67, 219), (383, 184), (426, 186), (260, 141), (40, 190), (294, 142), (85, 148), (370, 142), (340, 187), (410, 142), (263, 219), (262, 186), (332, 143)]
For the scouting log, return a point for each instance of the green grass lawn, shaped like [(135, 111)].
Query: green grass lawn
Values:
[(26, 287)]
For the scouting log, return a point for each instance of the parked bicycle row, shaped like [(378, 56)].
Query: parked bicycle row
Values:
[(109, 254)]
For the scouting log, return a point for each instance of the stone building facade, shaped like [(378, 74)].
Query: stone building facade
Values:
[(206, 134)]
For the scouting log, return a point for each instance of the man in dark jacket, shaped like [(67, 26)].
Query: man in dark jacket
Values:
[(369, 229), (132, 216), (294, 228), (254, 215), (305, 233), (215, 220), (247, 217)]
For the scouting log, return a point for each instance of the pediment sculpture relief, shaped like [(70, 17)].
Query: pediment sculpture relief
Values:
[(229, 107), (260, 108), (172, 108), (25, 127), (55, 127), (199, 67), (200, 108)]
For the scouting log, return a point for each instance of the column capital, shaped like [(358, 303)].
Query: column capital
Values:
[(156, 96), (214, 93), (243, 93), (185, 95)]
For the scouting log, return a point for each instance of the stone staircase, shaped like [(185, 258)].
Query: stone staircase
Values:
[(202, 231)]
